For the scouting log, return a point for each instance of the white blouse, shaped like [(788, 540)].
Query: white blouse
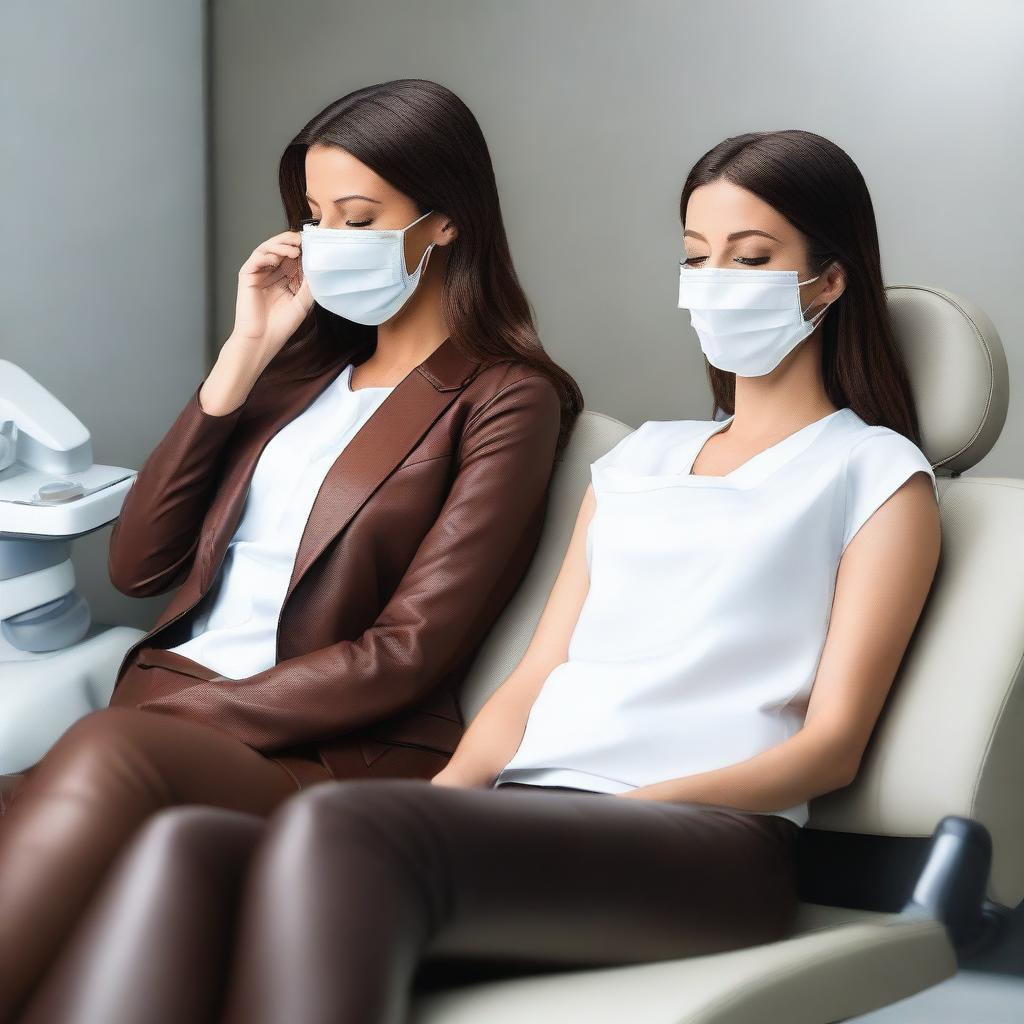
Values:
[(234, 630), (709, 602)]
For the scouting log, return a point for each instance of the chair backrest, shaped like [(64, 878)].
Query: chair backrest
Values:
[(506, 643), (949, 738)]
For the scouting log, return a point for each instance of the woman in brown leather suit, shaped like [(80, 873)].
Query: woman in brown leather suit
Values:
[(419, 534)]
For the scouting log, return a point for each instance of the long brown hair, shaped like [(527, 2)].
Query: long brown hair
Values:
[(422, 139), (817, 187)]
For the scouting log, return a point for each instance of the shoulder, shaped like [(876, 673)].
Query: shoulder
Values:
[(510, 401), (872, 448), (508, 381), (878, 462)]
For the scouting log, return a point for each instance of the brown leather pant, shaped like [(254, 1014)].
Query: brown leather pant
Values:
[(338, 908), (110, 771)]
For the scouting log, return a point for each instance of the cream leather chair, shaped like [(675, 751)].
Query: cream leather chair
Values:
[(934, 824)]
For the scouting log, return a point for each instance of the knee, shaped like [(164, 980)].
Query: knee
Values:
[(98, 728), (379, 811), (93, 743), (193, 838)]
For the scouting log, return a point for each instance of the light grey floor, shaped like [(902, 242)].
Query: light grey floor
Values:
[(988, 989)]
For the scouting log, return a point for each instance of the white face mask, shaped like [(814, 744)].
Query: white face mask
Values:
[(747, 321), (360, 274)]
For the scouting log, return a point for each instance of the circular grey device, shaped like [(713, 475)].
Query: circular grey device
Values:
[(58, 491)]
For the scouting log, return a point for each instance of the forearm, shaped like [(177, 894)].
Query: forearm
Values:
[(788, 774), (494, 734), (311, 697), (233, 377), (154, 539)]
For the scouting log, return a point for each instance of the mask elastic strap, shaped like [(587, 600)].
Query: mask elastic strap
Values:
[(426, 252), (425, 258), (417, 220), (803, 312)]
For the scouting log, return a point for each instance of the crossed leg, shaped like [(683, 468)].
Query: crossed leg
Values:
[(106, 774), (350, 886)]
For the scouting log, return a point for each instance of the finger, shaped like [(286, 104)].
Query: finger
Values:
[(260, 262), (281, 248), (286, 236)]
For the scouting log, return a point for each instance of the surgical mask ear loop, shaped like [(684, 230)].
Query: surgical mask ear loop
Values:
[(426, 252), (425, 258), (803, 312), (417, 220)]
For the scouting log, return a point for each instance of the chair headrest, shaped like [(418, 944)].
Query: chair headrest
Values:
[(958, 373)]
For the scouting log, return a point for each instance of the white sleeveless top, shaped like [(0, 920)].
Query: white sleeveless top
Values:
[(234, 630), (709, 602)]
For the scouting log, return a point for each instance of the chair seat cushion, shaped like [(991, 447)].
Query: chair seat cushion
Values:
[(838, 963)]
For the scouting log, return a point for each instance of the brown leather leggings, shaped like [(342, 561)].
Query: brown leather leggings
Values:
[(76, 808), (324, 913)]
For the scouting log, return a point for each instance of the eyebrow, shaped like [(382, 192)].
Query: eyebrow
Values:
[(735, 235), (342, 199)]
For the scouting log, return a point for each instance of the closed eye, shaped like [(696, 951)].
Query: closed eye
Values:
[(350, 223), (751, 261)]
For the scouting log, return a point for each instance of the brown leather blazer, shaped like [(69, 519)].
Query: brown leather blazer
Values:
[(418, 537)]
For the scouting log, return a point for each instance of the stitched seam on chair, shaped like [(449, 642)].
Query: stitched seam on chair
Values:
[(610, 419), (984, 347), (991, 736), (1010, 485)]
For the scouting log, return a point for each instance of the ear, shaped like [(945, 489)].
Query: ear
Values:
[(835, 281), (446, 233)]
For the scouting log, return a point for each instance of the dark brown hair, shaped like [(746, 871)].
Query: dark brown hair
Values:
[(817, 187), (423, 140)]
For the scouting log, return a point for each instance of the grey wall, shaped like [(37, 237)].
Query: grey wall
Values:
[(102, 166), (595, 109)]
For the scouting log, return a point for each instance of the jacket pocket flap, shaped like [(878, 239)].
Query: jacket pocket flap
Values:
[(419, 729)]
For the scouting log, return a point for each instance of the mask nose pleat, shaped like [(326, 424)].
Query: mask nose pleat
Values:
[(319, 255), (733, 296), (341, 281), (748, 338), (736, 321)]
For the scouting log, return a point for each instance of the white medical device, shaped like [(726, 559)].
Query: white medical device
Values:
[(55, 664)]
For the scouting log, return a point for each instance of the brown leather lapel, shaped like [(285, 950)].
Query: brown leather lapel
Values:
[(384, 440), (248, 442)]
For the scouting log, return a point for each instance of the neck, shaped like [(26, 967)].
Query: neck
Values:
[(789, 397), (419, 326)]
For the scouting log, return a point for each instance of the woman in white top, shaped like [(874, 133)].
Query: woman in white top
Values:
[(732, 609)]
